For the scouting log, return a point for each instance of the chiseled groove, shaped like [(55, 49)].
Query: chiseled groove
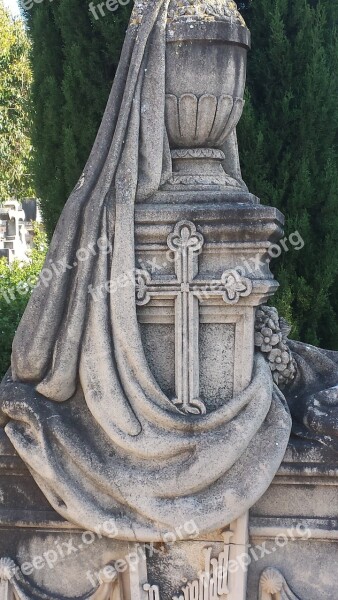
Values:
[(172, 117), (206, 112), (223, 112), (188, 106), (233, 118)]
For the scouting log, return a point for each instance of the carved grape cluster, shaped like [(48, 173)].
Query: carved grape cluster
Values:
[(271, 334)]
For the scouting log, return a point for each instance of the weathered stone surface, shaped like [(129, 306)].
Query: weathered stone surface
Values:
[(136, 407), (300, 507), (82, 399), (313, 395)]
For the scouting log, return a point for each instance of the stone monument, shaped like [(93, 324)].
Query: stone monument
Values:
[(144, 413)]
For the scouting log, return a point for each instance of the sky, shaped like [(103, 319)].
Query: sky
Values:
[(13, 7)]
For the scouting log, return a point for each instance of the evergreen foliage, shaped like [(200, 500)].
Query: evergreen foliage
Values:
[(288, 134), (17, 281), (15, 120), (75, 57), (289, 151)]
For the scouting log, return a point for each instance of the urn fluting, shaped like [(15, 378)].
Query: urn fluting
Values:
[(206, 55)]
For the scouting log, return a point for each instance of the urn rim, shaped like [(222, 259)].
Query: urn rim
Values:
[(229, 33)]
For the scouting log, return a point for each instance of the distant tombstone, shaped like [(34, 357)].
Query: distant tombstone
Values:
[(4, 253), (30, 208)]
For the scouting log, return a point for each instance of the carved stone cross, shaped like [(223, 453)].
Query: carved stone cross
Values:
[(186, 243)]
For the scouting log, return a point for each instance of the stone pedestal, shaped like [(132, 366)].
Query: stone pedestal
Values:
[(203, 268), (292, 544)]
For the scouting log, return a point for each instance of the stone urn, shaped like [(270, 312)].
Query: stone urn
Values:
[(207, 44)]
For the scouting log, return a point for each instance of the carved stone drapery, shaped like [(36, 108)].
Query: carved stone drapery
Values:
[(90, 405), (81, 401)]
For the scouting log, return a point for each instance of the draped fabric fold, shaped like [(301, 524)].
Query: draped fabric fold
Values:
[(164, 476), (51, 331), (98, 434)]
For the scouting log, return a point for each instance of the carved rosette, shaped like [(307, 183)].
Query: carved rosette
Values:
[(273, 586), (7, 569)]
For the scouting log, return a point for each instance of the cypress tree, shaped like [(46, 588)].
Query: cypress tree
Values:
[(288, 133), (289, 152), (74, 57)]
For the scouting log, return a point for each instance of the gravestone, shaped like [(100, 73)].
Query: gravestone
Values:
[(145, 450)]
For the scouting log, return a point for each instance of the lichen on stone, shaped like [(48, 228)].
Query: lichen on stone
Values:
[(137, 14), (195, 10)]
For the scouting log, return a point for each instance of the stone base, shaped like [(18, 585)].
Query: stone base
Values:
[(293, 538), (295, 525)]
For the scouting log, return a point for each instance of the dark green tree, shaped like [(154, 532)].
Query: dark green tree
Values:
[(74, 56), (244, 4), (289, 150), (288, 134)]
